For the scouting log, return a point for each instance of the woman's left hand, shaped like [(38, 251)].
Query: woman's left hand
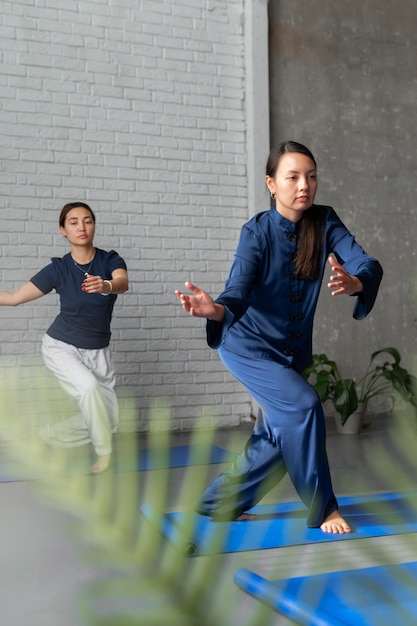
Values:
[(93, 284), (341, 282)]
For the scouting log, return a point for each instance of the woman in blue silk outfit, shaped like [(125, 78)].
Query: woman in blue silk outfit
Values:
[(262, 327)]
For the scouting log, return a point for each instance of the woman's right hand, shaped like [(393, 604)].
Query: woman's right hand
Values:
[(201, 304)]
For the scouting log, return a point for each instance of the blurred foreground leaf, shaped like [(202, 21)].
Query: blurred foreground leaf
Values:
[(144, 580)]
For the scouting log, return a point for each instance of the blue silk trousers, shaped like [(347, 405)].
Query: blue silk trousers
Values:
[(289, 436)]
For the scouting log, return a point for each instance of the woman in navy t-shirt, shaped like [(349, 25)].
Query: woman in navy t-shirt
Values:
[(76, 345)]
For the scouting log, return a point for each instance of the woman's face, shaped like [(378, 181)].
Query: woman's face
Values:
[(294, 185), (79, 227)]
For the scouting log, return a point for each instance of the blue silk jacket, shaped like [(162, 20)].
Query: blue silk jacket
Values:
[(269, 310)]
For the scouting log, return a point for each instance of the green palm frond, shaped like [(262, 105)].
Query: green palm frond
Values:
[(146, 580)]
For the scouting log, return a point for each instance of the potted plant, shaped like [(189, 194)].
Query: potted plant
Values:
[(386, 378)]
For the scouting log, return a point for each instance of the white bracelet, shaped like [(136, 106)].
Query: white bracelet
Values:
[(111, 288)]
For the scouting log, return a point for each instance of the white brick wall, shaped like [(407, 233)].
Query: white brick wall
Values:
[(138, 108)]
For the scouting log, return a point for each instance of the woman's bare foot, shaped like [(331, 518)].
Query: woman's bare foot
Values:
[(101, 464), (335, 523), (245, 517)]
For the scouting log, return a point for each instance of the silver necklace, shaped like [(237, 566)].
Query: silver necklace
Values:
[(87, 271)]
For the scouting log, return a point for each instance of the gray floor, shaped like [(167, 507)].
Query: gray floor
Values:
[(44, 569)]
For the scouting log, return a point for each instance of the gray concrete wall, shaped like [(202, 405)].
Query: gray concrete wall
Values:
[(344, 81)]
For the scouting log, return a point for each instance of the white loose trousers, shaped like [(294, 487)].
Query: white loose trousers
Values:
[(88, 376)]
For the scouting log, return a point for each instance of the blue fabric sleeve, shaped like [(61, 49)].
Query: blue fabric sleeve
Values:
[(115, 261), (355, 261), (216, 330), (238, 287), (45, 279)]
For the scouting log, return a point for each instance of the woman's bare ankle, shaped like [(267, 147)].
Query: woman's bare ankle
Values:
[(102, 463), (245, 517)]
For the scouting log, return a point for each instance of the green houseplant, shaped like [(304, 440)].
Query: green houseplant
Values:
[(382, 377)]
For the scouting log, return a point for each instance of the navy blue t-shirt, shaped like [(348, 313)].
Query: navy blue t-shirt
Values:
[(84, 319)]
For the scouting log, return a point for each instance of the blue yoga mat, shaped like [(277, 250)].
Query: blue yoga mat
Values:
[(384, 595), (147, 459), (182, 456), (279, 525)]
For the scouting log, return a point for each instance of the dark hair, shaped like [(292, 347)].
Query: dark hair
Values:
[(283, 148), (310, 232), (73, 205)]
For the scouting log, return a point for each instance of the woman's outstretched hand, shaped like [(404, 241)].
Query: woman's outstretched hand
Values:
[(201, 304), (341, 282)]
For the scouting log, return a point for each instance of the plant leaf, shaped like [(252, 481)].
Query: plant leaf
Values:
[(322, 385), (345, 398), (392, 351)]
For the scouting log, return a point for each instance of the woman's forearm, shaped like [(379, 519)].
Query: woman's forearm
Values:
[(117, 284), (219, 313), (25, 293)]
